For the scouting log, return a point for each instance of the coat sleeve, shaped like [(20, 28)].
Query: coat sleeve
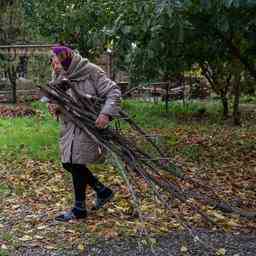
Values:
[(108, 90)]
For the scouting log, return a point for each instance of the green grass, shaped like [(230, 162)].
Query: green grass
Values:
[(150, 115), (3, 253), (248, 99), (37, 137), (191, 152), (4, 190)]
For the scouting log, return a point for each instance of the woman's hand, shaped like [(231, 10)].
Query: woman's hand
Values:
[(102, 121)]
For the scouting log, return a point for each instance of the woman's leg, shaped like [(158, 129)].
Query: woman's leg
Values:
[(104, 194), (93, 181), (79, 185)]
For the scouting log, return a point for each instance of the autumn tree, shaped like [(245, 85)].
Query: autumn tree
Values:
[(156, 39), (83, 24), (224, 35)]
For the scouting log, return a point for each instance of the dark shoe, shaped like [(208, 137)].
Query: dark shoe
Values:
[(73, 214), (102, 198)]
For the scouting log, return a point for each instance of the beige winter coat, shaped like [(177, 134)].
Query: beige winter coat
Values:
[(76, 146)]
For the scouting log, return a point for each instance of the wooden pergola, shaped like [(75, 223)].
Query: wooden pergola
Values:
[(25, 49), (14, 51)]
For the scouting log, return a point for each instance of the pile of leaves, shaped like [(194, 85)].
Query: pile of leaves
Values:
[(16, 111)]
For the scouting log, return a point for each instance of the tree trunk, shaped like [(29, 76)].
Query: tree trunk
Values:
[(222, 93), (223, 97), (224, 101), (14, 94), (244, 60), (12, 78), (237, 92), (166, 79), (236, 52)]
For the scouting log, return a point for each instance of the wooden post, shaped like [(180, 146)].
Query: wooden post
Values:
[(167, 97), (184, 88), (12, 77), (154, 93)]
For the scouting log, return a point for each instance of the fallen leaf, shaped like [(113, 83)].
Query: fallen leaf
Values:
[(232, 223), (42, 227), (183, 249), (81, 247), (70, 231), (217, 215), (25, 238), (4, 247), (50, 247), (221, 252), (39, 237)]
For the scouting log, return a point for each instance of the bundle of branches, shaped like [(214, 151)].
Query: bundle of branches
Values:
[(154, 167)]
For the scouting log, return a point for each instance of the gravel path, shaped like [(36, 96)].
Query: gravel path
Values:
[(173, 244)]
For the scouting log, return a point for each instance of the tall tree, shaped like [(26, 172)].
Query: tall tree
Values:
[(83, 24), (225, 34), (155, 39)]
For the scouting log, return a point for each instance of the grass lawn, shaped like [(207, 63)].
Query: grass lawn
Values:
[(37, 136)]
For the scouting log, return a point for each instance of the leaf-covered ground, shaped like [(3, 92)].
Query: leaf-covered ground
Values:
[(16, 111), (33, 192)]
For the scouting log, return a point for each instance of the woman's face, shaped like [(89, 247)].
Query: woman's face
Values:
[(56, 65)]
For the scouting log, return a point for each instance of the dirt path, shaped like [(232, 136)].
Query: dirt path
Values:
[(173, 244)]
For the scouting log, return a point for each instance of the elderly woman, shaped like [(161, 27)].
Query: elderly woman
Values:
[(77, 148)]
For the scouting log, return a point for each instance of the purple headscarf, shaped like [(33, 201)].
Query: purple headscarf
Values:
[(64, 55)]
